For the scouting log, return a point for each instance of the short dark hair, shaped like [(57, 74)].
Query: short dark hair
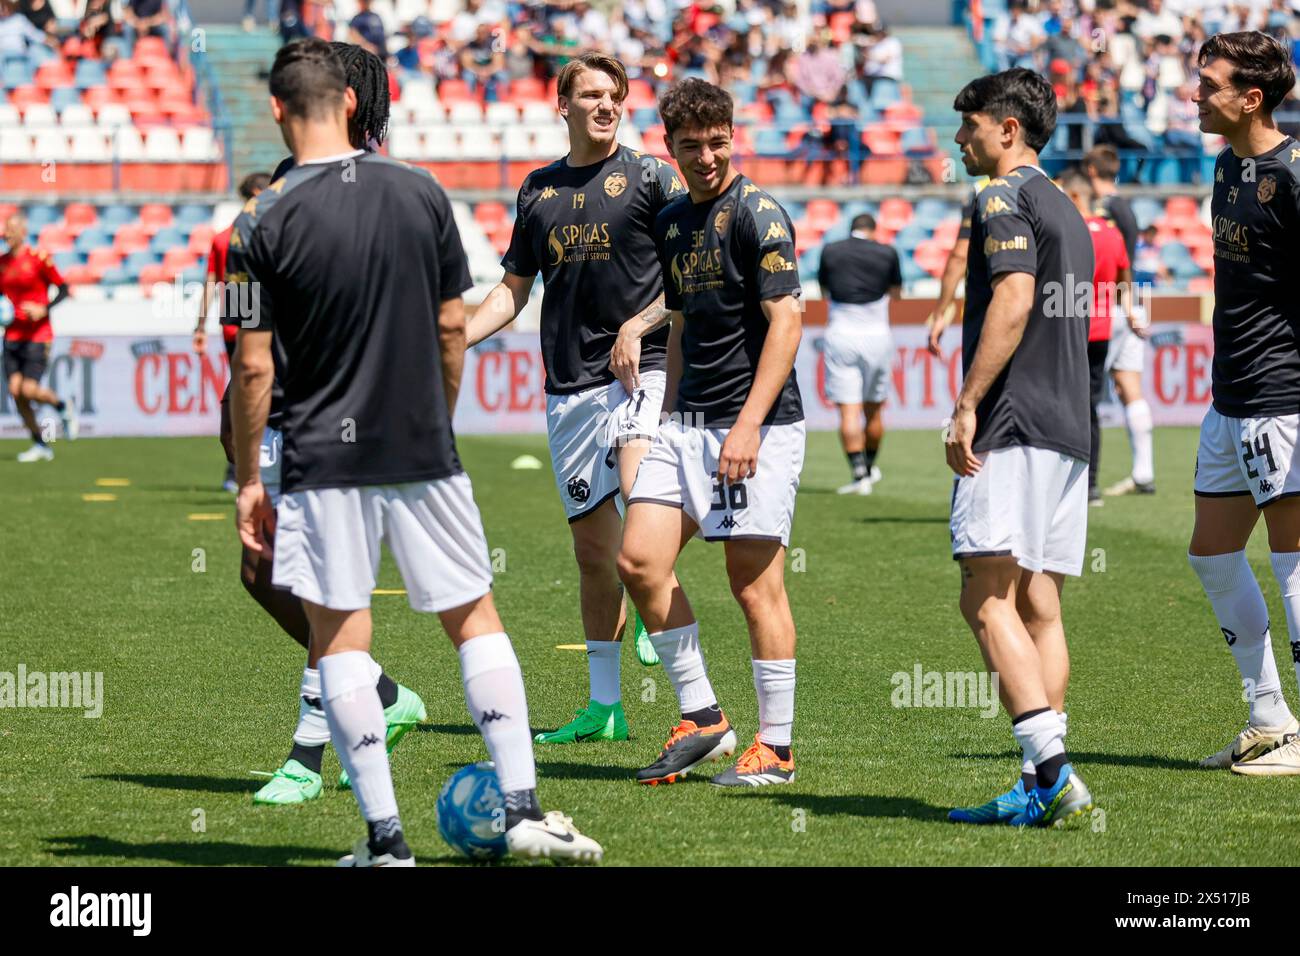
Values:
[(863, 222), (1073, 179), (1104, 161), (1259, 61), (695, 104), (598, 62), (368, 77), (252, 184), (1017, 92), (308, 79)]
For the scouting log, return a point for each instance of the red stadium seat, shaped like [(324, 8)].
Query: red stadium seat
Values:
[(903, 112), (528, 89), (152, 275), (881, 140), (55, 238), (490, 215), (454, 91), (639, 93), (97, 96), (77, 216), (201, 239), (842, 26), (894, 213), (81, 275), (147, 47), (53, 74), (155, 216), (7, 209), (130, 238), (179, 259), (821, 214), (1182, 208), (23, 96), (103, 259)]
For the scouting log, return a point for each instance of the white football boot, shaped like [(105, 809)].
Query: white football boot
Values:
[(1251, 744)]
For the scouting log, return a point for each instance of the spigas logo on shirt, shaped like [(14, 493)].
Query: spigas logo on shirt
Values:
[(697, 271), (580, 242)]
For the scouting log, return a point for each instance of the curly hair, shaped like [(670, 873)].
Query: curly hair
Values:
[(695, 104), (1017, 92), (368, 77)]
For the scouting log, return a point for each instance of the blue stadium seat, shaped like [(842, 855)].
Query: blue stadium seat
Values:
[(118, 276), (165, 239), (38, 217), (66, 260), (809, 262), (645, 117), (910, 236), (838, 231), (139, 260), (930, 212), (856, 209), (116, 215), (884, 92), (911, 271), (915, 142), (92, 238), (189, 216), (794, 210), (90, 73), (769, 142), (1174, 253), (1147, 210), (62, 97), (17, 73)]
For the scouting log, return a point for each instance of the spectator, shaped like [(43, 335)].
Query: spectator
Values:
[(1155, 21), (818, 72), (366, 30), (41, 15), (882, 57), (17, 33), (789, 30), (97, 24), (1063, 45), (145, 18), (482, 64), (408, 58), (1147, 266), (1183, 132), (250, 14), (1024, 35)]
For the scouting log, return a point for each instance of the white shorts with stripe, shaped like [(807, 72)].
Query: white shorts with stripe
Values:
[(1247, 456)]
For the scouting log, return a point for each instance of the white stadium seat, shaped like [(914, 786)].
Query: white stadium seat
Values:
[(9, 117), (112, 115), (464, 113), (551, 142), (162, 146), (501, 114), (90, 145), (15, 146), (479, 142), (443, 144), (535, 114), (40, 116), (127, 145), (50, 144), (419, 91), (77, 114), (426, 113), (404, 143), (517, 143), (199, 145)]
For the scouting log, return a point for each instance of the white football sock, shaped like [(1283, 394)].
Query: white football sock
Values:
[(358, 731), (313, 730), (679, 651), (1286, 568), (603, 659), (774, 684), (1243, 618), (494, 693), (1027, 767), (1039, 737), (1137, 416)]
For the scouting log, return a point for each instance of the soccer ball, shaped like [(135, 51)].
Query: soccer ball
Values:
[(471, 813)]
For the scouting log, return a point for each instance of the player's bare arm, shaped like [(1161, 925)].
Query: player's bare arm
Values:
[(200, 332), (451, 348), (250, 404), (945, 308), (1004, 326), (738, 458), (625, 357), (506, 300)]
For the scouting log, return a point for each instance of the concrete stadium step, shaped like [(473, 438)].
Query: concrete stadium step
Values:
[(937, 62), (237, 58)]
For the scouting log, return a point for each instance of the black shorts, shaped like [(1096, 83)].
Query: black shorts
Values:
[(28, 359)]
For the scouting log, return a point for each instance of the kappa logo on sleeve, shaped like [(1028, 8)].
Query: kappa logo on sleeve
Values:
[(994, 207)]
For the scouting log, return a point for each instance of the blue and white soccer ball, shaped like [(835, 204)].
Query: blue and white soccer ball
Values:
[(471, 813)]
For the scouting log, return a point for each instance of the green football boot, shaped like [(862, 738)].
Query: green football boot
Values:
[(597, 722), (407, 711), (292, 783), (645, 648)]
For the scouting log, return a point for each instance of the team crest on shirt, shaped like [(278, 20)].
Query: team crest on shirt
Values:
[(775, 262), (615, 183), (721, 220), (1267, 189)]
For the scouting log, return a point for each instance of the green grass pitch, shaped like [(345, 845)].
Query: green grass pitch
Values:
[(200, 687)]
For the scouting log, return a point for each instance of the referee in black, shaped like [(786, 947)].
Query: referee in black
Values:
[(355, 273)]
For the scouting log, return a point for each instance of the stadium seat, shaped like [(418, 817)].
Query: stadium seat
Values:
[(55, 238), (89, 73), (426, 113), (76, 115), (455, 91), (155, 216), (198, 145), (490, 215), (128, 147), (9, 115), (40, 116), (50, 145), (894, 214), (550, 142), (63, 261), (179, 259), (539, 114), (501, 114), (64, 98), (464, 113), (89, 145), (441, 143), (821, 214), (529, 89), (103, 258), (169, 237), (116, 215), (78, 216), (479, 143), (517, 143), (113, 115), (200, 241), (40, 216), (115, 276)]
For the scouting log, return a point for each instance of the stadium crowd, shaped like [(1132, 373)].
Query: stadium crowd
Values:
[(1125, 71), (102, 28)]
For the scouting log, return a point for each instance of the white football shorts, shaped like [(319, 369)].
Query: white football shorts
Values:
[(1247, 456), (858, 364)]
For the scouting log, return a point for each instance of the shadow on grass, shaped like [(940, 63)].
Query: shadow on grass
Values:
[(585, 771), (165, 781), (896, 519), (865, 805), (1085, 757), (199, 853), (466, 729)]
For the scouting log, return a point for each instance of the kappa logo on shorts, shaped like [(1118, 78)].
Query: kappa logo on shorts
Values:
[(1295, 651), (1265, 487), (578, 489), (728, 522)]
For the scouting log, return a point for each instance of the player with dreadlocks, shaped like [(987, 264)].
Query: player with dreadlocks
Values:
[(299, 778)]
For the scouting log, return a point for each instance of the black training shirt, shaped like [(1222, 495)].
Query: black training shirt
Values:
[(721, 259), (1024, 223), (1256, 219), (587, 230), (857, 271), (349, 262)]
